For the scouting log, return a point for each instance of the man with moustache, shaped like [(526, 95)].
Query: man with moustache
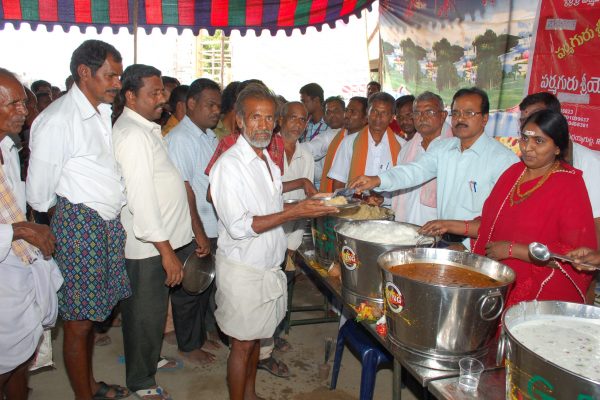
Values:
[(374, 150), (312, 97), (466, 166), (157, 221), (28, 281), (191, 145), (73, 176), (247, 193), (404, 118), (417, 205), (297, 164), (334, 117)]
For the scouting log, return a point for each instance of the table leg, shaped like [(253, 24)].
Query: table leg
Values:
[(397, 381)]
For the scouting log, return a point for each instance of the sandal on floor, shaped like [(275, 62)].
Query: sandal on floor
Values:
[(274, 367), (157, 391), (163, 364), (282, 345), (102, 393)]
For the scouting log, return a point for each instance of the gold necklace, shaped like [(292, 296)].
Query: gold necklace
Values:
[(523, 196)]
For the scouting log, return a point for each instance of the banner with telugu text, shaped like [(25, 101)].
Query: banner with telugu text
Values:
[(566, 62), (445, 45)]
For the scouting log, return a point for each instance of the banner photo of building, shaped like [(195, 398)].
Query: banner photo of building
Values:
[(445, 45), (565, 62)]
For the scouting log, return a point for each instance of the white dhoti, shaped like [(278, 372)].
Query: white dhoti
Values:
[(251, 302), (28, 304)]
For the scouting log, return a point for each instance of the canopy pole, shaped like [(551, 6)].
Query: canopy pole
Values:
[(135, 29)]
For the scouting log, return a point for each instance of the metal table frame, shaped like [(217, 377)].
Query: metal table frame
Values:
[(428, 378)]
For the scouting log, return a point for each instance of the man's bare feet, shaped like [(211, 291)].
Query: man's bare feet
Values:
[(198, 356), (210, 344)]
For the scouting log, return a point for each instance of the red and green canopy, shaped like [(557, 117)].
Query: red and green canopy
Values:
[(226, 15)]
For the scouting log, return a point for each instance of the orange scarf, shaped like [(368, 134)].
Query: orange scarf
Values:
[(327, 183), (361, 150)]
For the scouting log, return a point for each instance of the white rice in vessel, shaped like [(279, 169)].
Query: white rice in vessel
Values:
[(569, 342), (402, 235)]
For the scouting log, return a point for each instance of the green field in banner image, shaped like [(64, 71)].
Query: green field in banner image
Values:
[(508, 95)]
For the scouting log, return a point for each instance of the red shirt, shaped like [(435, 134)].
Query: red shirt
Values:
[(275, 150)]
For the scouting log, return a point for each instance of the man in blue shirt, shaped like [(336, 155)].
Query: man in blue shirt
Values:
[(467, 166)]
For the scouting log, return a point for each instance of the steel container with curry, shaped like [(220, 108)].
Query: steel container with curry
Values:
[(442, 305)]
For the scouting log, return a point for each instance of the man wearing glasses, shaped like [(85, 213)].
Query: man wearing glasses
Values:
[(417, 205), (466, 166)]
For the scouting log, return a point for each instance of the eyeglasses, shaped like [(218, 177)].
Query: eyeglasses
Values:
[(466, 114), (426, 113)]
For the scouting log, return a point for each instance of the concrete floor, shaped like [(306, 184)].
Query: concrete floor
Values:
[(208, 382)]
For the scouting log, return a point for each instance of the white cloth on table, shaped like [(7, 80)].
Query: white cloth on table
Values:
[(157, 207), (72, 156), (28, 301), (300, 166), (251, 301), (190, 150), (242, 187)]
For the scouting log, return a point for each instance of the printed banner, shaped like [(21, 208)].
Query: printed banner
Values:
[(566, 62), (445, 45)]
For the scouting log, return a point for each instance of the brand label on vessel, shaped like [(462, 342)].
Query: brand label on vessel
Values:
[(349, 258), (394, 297)]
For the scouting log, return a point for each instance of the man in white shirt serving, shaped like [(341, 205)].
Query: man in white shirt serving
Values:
[(73, 176), (247, 193), (158, 225), (28, 282)]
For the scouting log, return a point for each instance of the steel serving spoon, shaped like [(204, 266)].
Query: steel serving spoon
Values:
[(540, 252)]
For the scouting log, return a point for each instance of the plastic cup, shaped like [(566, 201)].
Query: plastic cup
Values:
[(470, 372)]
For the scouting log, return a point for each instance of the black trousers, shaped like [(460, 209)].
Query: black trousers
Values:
[(144, 315), (190, 314)]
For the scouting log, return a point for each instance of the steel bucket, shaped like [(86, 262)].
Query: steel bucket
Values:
[(438, 325), (361, 278), (531, 376), (324, 235)]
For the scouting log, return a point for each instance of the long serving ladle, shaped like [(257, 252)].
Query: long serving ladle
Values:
[(540, 252)]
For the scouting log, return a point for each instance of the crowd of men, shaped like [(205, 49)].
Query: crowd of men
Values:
[(136, 172)]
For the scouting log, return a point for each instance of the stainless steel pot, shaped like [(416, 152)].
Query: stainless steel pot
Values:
[(324, 235), (529, 375), (442, 324), (361, 278)]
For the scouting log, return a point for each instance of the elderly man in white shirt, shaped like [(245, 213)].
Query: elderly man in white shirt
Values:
[(28, 282), (374, 150), (191, 145), (157, 221), (247, 193), (73, 176), (417, 205)]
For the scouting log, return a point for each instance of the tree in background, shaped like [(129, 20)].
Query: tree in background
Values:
[(412, 54), (445, 57), (489, 47)]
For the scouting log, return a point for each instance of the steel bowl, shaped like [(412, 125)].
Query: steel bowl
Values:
[(198, 273)]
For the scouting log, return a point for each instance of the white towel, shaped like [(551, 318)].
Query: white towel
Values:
[(251, 302)]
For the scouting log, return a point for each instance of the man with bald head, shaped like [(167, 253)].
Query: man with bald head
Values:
[(28, 281)]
